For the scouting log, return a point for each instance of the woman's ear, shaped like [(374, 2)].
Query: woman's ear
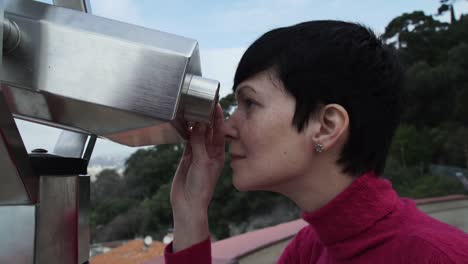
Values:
[(331, 124)]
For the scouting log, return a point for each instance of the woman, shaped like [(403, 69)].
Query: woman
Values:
[(318, 104)]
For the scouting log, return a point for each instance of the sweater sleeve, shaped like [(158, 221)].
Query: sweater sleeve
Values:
[(197, 254)]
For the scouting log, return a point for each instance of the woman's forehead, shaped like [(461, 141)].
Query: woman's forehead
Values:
[(263, 82)]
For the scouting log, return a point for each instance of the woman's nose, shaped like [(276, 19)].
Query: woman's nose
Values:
[(229, 130)]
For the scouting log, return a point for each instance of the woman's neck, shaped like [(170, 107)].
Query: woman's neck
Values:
[(316, 187)]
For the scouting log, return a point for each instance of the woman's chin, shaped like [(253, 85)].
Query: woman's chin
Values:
[(239, 186), (244, 183), (240, 183)]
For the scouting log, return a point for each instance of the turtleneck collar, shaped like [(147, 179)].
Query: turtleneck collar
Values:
[(367, 200)]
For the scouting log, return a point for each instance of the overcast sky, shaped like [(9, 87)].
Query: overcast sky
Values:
[(225, 28)]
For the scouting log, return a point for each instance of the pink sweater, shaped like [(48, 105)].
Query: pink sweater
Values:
[(366, 223)]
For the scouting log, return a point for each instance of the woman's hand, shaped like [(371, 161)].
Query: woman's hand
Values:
[(194, 182)]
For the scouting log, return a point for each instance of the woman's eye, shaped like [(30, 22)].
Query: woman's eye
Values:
[(249, 103)]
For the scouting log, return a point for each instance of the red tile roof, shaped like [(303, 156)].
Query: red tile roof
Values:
[(132, 252)]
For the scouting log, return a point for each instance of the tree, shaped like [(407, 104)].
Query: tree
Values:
[(148, 169), (447, 6), (417, 36), (408, 182), (107, 200), (108, 185), (157, 218), (412, 147), (434, 54), (434, 123), (451, 147)]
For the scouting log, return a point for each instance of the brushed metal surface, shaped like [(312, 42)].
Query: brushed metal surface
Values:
[(57, 224), (79, 5), (114, 124), (83, 218), (17, 228), (198, 101), (12, 189), (76, 64), (70, 144), (164, 133), (18, 185), (96, 60), (11, 36)]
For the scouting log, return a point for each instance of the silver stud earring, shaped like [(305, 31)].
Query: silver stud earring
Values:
[(319, 148)]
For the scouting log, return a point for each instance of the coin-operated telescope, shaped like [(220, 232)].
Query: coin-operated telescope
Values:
[(92, 77)]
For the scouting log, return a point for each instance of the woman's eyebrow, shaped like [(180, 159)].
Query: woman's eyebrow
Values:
[(244, 87)]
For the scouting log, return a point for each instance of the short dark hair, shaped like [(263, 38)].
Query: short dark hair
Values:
[(323, 62)]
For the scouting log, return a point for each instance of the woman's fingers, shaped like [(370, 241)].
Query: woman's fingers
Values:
[(218, 141), (208, 135), (208, 142), (198, 142), (218, 135)]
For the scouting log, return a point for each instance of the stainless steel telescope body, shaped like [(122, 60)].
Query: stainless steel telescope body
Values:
[(80, 72)]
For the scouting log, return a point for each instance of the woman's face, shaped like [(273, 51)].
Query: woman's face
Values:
[(265, 148)]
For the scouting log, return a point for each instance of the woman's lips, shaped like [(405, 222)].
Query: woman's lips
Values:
[(236, 157)]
